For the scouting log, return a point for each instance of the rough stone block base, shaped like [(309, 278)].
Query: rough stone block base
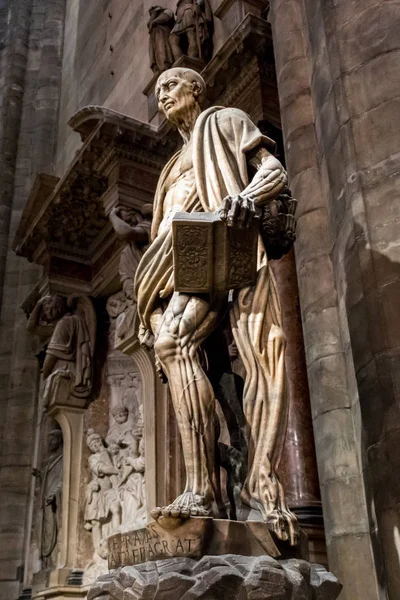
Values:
[(229, 577)]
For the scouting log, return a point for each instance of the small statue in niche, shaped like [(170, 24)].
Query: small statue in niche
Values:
[(192, 33), (103, 508), (160, 25), (67, 367), (50, 500), (129, 226)]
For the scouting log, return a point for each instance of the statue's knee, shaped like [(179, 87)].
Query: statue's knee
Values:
[(166, 347), (277, 335)]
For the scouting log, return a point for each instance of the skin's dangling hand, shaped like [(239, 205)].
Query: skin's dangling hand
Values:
[(238, 211)]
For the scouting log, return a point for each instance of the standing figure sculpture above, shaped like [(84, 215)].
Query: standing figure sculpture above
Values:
[(68, 365), (160, 25), (225, 167), (192, 34)]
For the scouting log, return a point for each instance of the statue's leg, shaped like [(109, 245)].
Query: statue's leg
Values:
[(187, 322), (115, 509), (174, 40), (193, 49), (256, 326)]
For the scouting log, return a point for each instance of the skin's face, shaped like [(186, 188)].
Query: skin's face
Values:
[(96, 445), (175, 96), (121, 416)]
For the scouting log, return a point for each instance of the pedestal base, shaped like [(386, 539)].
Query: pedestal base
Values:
[(228, 577), (196, 536)]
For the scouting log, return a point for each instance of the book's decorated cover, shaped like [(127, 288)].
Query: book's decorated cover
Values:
[(208, 255)]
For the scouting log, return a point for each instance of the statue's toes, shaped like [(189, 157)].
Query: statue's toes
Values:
[(185, 513), (155, 513), (175, 512), (166, 512)]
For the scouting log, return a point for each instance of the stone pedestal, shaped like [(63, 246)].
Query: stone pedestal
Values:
[(228, 577)]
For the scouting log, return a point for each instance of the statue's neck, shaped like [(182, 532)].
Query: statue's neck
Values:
[(186, 123)]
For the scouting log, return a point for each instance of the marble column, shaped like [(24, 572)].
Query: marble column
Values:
[(298, 467)]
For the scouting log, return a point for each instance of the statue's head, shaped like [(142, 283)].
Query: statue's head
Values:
[(120, 414), (154, 10), (94, 441), (113, 448), (54, 439), (116, 304), (53, 308), (179, 92)]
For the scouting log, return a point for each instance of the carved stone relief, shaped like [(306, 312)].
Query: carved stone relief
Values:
[(193, 30), (68, 330), (160, 24), (121, 307), (46, 531), (188, 33), (115, 495)]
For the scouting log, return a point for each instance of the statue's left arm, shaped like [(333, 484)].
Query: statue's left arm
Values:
[(269, 180)]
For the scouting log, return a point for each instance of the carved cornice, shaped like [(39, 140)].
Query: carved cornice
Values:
[(64, 220)]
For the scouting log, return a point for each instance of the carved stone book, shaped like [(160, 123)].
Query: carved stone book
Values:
[(209, 255)]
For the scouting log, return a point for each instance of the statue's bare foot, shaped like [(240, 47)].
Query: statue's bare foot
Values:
[(284, 524), (185, 506)]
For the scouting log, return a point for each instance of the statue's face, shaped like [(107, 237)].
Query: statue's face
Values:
[(116, 304), (53, 442), (113, 449), (51, 309), (96, 445), (175, 95), (121, 416)]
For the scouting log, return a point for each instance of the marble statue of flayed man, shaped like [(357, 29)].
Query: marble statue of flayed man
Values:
[(224, 166)]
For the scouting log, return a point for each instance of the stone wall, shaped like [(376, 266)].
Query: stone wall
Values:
[(29, 78), (339, 97), (339, 102)]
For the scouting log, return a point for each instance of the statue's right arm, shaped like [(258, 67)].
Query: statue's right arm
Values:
[(34, 319), (163, 17)]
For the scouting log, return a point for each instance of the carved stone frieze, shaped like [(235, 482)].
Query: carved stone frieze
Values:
[(115, 495)]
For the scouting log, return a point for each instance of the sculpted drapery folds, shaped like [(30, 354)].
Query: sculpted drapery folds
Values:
[(160, 24), (133, 228), (193, 30), (50, 500), (69, 329), (212, 172)]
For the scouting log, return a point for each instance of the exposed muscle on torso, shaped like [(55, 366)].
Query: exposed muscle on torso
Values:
[(179, 183)]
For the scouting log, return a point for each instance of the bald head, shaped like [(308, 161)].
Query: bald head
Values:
[(181, 94)]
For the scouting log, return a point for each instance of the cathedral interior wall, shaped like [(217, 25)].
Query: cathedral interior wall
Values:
[(341, 152)]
